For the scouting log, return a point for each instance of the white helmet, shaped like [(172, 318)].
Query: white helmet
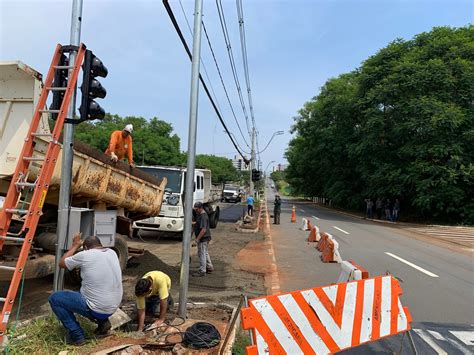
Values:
[(128, 128)]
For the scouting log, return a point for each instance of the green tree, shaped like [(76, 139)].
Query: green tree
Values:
[(222, 169), (153, 141), (400, 126)]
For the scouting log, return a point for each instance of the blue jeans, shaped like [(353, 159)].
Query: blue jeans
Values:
[(151, 304), (64, 304)]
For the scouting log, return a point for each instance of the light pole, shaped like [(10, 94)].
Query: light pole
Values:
[(273, 161)]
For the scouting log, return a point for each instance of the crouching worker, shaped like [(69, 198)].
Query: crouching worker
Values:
[(153, 288), (101, 288)]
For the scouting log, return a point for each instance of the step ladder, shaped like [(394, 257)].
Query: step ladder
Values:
[(59, 75)]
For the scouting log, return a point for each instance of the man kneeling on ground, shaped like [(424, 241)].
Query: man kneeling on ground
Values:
[(152, 288), (101, 288)]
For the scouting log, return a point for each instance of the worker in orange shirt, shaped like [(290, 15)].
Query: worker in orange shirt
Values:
[(121, 144)]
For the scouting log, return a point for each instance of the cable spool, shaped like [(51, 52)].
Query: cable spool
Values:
[(201, 335)]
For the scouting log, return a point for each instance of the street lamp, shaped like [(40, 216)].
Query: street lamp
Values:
[(269, 164), (277, 133)]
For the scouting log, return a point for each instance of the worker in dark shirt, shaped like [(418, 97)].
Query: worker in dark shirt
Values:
[(203, 237)]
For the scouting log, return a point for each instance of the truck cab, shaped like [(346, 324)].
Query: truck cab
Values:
[(171, 217)]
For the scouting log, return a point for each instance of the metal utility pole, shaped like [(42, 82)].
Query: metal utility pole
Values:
[(67, 156), (189, 184), (252, 162)]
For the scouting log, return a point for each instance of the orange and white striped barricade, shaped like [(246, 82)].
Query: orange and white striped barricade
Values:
[(330, 252), (323, 241), (351, 271), (365, 273), (326, 319), (304, 224), (314, 235)]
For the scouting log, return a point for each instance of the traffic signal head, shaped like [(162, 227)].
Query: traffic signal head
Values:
[(60, 80), (91, 88), (255, 175)]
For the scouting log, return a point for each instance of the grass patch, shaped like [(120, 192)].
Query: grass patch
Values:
[(47, 336), (242, 340)]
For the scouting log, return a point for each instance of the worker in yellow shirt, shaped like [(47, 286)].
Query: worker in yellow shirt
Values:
[(152, 288), (121, 145)]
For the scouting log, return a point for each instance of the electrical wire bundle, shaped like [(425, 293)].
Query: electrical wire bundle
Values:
[(201, 335)]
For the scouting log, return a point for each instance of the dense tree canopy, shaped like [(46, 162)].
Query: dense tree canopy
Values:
[(400, 126), (222, 169), (153, 140)]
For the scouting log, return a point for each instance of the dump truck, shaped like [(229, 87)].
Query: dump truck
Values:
[(106, 197), (171, 217)]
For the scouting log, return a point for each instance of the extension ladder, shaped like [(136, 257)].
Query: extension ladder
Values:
[(55, 82)]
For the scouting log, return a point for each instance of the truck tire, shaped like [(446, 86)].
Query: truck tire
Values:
[(214, 218), (121, 248)]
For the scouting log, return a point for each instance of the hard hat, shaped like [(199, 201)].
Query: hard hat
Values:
[(128, 128)]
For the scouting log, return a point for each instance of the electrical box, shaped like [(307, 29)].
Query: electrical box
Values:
[(89, 222)]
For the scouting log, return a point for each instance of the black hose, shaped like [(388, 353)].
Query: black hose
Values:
[(201, 335)]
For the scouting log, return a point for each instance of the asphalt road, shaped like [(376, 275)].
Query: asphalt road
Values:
[(230, 212), (437, 282)]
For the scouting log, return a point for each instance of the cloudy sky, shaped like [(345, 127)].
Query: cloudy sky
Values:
[(293, 48)]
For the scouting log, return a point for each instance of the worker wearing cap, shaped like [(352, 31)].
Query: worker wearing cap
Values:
[(121, 144)]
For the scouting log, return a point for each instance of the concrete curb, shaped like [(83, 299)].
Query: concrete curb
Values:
[(273, 284), (238, 225)]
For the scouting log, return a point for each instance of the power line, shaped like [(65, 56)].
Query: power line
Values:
[(202, 62), (230, 54), (223, 85), (186, 47), (243, 44)]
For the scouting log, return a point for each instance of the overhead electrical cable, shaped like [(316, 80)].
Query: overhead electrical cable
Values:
[(243, 44), (202, 62), (230, 54), (223, 84), (186, 47)]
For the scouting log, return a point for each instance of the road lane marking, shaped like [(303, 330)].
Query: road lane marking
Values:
[(430, 342), (315, 217), (342, 230), (467, 337), (437, 335), (419, 268)]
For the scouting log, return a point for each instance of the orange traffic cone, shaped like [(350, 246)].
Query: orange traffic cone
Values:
[(293, 215)]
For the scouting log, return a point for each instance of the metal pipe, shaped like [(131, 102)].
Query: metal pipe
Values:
[(189, 184), (67, 157), (231, 325)]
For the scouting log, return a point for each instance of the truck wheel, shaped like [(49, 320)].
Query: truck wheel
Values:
[(121, 248), (214, 218)]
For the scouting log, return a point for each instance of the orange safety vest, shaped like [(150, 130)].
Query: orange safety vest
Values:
[(120, 146)]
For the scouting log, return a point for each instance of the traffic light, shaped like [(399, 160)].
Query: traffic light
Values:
[(91, 88), (60, 81), (256, 175)]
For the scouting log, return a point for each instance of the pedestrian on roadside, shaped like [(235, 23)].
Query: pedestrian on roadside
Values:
[(396, 210), (378, 207), (250, 202), (369, 207), (276, 209), (388, 208), (101, 288), (203, 237), (153, 288)]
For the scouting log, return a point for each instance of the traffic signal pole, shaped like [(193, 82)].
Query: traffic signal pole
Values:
[(67, 156), (189, 183)]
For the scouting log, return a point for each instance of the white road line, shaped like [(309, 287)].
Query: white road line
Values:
[(315, 217), (430, 342), (419, 268), (467, 337), (342, 230), (436, 335)]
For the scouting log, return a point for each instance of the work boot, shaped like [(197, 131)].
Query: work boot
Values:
[(103, 328), (198, 274), (209, 270), (75, 342)]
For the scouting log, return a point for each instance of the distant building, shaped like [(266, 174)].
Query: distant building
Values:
[(239, 163)]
